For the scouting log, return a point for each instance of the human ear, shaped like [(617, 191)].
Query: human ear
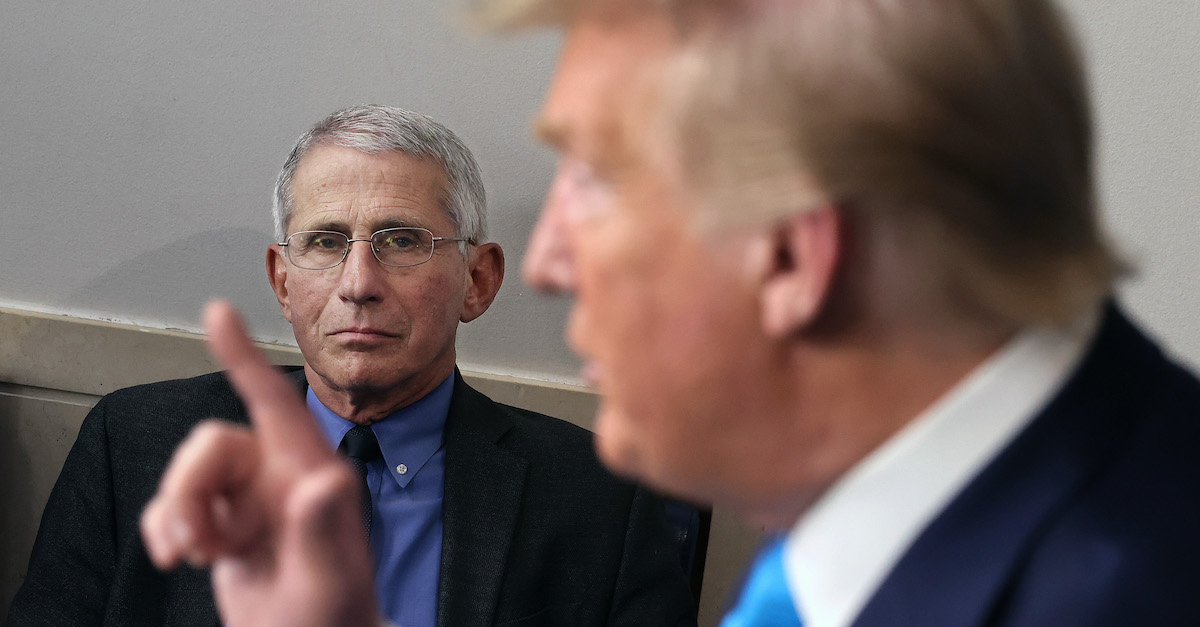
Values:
[(277, 268), (799, 272), (485, 273)]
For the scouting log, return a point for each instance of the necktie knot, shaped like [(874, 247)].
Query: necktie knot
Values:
[(361, 444)]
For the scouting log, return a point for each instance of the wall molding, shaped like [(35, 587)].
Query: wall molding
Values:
[(94, 357)]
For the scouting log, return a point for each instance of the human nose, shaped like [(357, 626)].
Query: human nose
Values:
[(361, 279), (549, 258)]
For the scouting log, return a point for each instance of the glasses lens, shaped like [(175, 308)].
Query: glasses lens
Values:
[(316, 250), (403, 246)]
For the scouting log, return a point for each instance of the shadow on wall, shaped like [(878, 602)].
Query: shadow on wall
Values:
[(176, 279)]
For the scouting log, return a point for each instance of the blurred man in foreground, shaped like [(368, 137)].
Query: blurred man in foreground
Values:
[(477, 513), (837, 264)]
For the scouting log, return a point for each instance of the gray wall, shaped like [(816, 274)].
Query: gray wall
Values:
[(1145, 66), (139, 141)]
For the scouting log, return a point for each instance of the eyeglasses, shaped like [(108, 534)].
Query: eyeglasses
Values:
[(399, 247)]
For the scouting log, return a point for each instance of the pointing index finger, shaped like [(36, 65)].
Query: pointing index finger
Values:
[(285, 428)]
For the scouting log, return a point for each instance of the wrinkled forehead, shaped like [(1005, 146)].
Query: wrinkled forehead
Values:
[(331, 162), (335, 183)]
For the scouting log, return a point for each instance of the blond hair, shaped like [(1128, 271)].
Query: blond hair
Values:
[(964, 125)]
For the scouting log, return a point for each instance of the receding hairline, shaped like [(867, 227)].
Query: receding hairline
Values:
[(443, 184), (421, 158)]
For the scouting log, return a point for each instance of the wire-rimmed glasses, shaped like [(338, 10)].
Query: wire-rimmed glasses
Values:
[(398, 247)]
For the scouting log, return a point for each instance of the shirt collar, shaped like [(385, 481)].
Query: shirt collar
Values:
[(840, 551), (408, 437)]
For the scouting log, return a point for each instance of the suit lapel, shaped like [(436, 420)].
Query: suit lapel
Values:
[(483, 492), (959, 569)]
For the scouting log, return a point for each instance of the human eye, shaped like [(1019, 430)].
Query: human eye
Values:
[(399, 239), (326, 242), (320, 241)]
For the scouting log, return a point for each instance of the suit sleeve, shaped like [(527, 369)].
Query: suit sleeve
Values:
[(651, 587), (70, 569)]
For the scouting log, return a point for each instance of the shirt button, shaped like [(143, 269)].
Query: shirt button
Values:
[(402, 469)]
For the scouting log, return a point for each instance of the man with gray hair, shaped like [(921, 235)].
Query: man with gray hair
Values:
[(476, 513), (837, 264)]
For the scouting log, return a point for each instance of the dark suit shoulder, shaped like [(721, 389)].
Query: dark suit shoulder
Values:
[(1125, 549), (142, 425), (157, 416), (553, 443), (1087, 517), (547, 430), (544, 442), (198, 393), (175, 403), (212, 382)]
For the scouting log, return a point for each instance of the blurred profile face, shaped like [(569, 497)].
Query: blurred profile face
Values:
[(366, 329), (663, 317)]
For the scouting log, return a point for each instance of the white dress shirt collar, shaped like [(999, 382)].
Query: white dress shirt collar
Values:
[(840, 551)]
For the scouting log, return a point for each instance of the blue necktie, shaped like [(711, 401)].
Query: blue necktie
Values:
[(765, 600)]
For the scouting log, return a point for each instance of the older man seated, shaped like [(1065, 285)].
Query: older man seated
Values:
[(477, 513), (838, 265)]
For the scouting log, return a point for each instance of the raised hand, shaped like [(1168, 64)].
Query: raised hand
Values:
[(272, 510)]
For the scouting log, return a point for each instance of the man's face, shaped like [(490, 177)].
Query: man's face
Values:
[(369, 332), (664, 318)]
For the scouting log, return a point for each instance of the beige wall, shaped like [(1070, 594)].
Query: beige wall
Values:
[(54, 368)]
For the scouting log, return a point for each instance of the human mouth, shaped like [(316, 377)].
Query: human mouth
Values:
[(362, 335)]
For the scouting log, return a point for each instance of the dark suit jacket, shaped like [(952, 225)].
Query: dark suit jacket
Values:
[(536, 532), (1090, 517)]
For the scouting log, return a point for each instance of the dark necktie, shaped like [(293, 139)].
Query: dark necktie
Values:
[(361, 447)]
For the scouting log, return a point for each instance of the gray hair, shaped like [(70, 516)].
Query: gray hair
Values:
[(376, 129)]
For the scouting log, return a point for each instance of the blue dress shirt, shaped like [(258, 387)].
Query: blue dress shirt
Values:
[(406, 501)]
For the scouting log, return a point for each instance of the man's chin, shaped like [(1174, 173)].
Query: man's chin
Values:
[(346, 378), (617, 452), (627, 455)]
